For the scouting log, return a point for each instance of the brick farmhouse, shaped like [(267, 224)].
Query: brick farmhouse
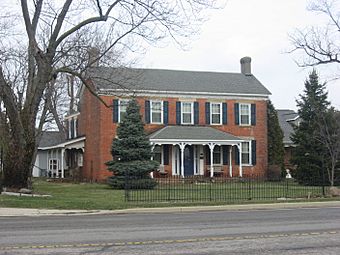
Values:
[(199, 123)]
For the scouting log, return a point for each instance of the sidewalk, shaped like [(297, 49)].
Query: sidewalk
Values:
[(7, 212)]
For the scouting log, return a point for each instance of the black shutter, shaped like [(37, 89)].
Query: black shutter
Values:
[(115, 110), (253, 114), (165, 112), (224, 114), (72, 128), (207, 113), (147, 111), (225, 154), (237, 113), (253, 152), (178, 113), (207, 155), (166, 154), (196, 113), (237, 156)]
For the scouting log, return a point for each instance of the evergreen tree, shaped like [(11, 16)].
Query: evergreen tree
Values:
[(310, 154), (131, 152), (275, 138)]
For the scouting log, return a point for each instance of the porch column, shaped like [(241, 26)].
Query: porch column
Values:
[(230, 162), (211, 147), (62, 163), (240, 153), (182, 147), (152, 148)]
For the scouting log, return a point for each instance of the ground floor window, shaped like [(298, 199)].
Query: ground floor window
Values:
[(246, 156)]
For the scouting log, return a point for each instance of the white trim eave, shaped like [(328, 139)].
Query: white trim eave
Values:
[(164, 93), (189, 141), (63, 145)]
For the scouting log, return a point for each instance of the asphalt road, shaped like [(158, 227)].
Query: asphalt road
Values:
[(284, 231)]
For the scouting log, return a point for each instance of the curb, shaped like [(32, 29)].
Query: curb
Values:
[(16, 212)]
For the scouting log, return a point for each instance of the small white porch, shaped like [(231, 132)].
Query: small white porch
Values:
[(196, 150)]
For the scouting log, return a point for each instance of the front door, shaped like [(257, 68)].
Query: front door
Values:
[(188, 160)]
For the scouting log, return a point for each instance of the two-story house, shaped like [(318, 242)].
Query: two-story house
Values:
[(199, 123)]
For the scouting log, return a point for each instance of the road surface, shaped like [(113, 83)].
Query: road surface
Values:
[(282, 231)]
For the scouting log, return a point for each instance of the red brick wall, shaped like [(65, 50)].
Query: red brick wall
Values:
[(96, 123)]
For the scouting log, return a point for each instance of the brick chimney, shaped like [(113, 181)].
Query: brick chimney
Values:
[(93, 54), (245, 65)]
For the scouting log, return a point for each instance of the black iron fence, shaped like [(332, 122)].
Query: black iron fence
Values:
[(201, 189)]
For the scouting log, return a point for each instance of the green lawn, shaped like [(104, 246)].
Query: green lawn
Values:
[(100, 196)]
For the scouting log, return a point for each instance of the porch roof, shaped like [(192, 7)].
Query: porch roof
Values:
[(192, 134)]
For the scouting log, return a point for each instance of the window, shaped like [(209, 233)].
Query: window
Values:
[(246, 157), (70, 128), (244, 114), (122, 108), (217, 155), (216, 113), (187, 113), (157, 154), (156, 112)]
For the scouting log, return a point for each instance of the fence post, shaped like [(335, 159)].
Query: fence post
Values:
[(126, 188), (323, 182), (249, 189)]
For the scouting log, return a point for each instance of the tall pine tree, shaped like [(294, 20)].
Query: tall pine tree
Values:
[(310, 154), (275, 139), (131, 153)]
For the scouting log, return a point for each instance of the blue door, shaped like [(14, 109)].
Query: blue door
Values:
[(188, 160)]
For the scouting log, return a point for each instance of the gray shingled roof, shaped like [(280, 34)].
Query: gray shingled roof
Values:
[(192, 133), (285, 117), (106, 78), (51, 138)]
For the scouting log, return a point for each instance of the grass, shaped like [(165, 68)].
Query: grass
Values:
[(99, 196)]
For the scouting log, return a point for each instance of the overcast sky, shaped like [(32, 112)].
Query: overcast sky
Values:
[(255, 28)]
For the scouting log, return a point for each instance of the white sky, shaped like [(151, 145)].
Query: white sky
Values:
[(255, 28)]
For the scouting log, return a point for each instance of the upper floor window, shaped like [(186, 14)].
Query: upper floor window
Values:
[(123, 103), (216, 113), (244, 114), (156, 112), (72, 127), (187, 113)]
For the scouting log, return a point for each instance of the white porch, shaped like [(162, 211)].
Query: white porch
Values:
[(187, 144)]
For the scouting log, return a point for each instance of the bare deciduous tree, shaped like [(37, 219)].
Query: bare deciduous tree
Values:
[(328, 134), (319, 44), (55, 41)]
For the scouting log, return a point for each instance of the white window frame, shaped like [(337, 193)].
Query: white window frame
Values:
[(50, 163), (70, 125), (151, 111), (119, 107), (249, 152), (75, 127), (211, 113), (192, 113), (249, 114)]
